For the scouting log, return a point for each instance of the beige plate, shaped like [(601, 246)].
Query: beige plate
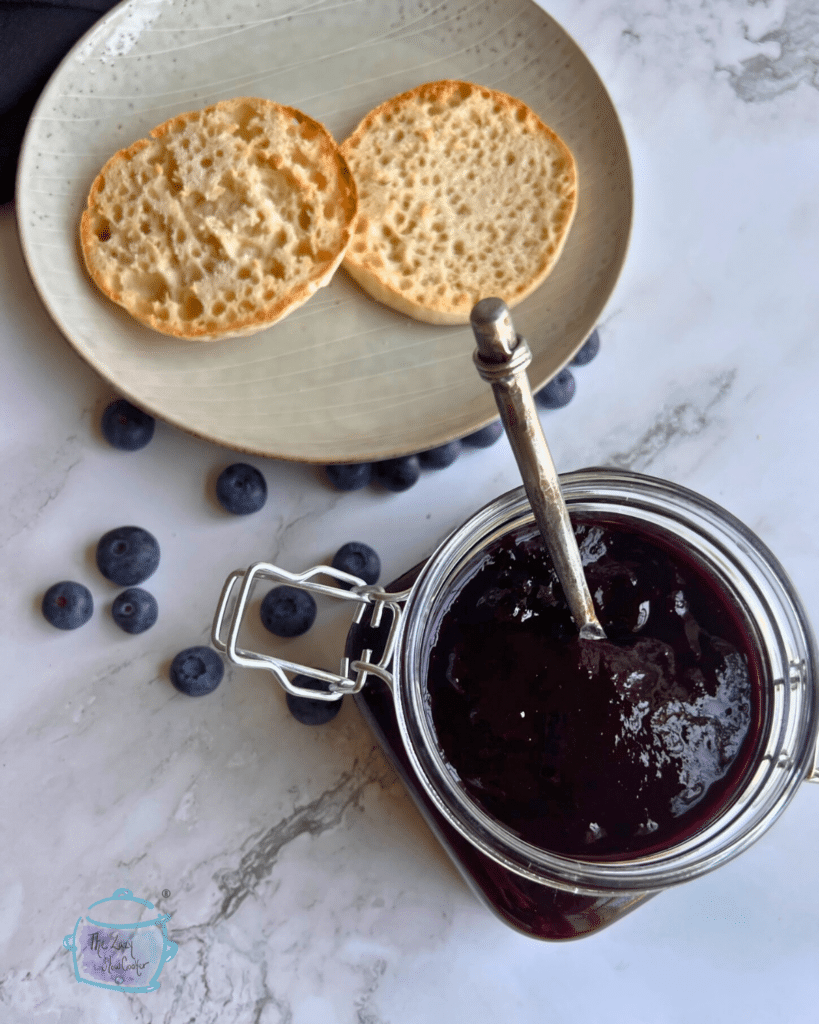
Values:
[(343, 379)]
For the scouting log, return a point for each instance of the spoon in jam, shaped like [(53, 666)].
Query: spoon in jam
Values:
[(501, 358)]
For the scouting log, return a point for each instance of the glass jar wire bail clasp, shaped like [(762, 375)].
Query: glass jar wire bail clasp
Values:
[(230, 612)]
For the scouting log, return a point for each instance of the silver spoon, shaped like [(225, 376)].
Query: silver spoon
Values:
[(501, 358)]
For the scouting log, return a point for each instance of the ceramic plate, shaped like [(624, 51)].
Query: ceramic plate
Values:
[(343, 378)]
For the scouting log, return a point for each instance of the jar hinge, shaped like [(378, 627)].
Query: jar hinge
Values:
[(236, 593)]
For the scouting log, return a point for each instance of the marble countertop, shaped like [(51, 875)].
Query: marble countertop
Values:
[(304, 885)]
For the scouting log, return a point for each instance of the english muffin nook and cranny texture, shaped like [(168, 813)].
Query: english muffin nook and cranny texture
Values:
[(464, 193), (225, 220), (222, 221)]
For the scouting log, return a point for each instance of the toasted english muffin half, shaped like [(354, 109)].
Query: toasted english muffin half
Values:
[(222, 221), (464, 193)]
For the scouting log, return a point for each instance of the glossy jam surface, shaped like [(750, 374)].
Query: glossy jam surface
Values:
[(594, 748)]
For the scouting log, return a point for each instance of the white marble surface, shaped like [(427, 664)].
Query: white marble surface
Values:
[(304, 886)]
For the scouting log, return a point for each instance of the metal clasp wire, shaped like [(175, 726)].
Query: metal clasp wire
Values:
[(337, 685)]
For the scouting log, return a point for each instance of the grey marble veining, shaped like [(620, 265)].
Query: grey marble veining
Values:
[(304, 886), (684, 419), (788, 55)]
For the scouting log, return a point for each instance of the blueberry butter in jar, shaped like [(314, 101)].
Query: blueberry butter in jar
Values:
[(570, 780)]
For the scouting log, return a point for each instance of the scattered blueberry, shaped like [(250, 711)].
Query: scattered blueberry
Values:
[(126, 427), (312, 712), (127, 555), (197, 671), (135, 610), (359, 560), (397, 474), (441, 457), (349, 476), (558, 392), (288, 611), (588, 351), (485, 437), (68, 605), (241, 489)]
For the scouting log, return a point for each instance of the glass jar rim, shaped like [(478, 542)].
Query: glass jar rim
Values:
[(751, 574)]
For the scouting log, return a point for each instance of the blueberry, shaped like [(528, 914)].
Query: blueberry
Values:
[(241, 489), (397, 474), (441, 457), (126, 427), (558, 392), (127, 555), (485, 437), (197, 671), (312, 712), (349, 476), (359, 560), (588, 351), (68, 605), (288, 611), (135, 610)]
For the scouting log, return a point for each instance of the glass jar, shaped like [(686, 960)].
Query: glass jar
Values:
[(541, 893)]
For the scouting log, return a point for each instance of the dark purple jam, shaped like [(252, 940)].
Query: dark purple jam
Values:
[(594, 748), (539, 911)]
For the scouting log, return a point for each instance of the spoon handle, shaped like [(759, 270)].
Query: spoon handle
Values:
[(501, 358)]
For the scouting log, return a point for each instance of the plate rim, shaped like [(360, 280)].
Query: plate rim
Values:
[(615, 268)]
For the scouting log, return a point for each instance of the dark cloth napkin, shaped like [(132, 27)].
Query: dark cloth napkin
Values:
[(34, 38)]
